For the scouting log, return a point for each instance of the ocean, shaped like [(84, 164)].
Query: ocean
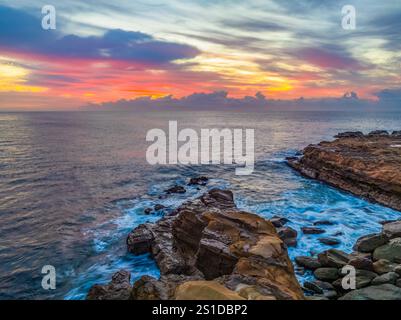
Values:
[(73, 184)]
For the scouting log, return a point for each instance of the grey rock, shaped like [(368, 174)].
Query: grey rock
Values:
[(378, 133), (333, 258), (383, 266), (370, 242), (392, 229), (329, 241), (308, 262), (390, 251), (380, 292), (326, 274), (390, 277)]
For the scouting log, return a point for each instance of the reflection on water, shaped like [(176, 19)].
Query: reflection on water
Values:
[(73, 184)]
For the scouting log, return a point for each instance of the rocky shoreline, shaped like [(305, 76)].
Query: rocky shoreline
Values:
[(365, 165), (208, 249)]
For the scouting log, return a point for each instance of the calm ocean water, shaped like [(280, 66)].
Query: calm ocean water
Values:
[(73, 184)]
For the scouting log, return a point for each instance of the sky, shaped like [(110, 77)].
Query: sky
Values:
[(109, 52)]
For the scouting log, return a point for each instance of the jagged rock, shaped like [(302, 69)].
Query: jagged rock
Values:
[(349, 134), (390, 251), (381, 292), (390, 277), (308, 262), (392, 229), (175, 189), (140, 239), (210, 239), (278, 221), (383, 266), (333, 258), (370, 242), (367, 167), (396, 133), (118, 289), (326, 274), (288, 235), (329, 241), (378, 133), (312, 230), (202, 180)]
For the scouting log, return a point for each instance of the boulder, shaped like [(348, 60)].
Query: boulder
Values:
[(308, 262), (118, 289), (312, 230), (392, 229), (159, 207), (318, 286), (383, 266), (288, 235), (202, 180), (390, 251), (333, 258), (397, 269), (361, 263), (390, 277), (398, 283), (380, 292), (370, 242), (326, 274), (139, 240), (329, 241)]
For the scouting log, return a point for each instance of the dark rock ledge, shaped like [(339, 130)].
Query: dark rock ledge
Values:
[(365, 165), (208, 249)]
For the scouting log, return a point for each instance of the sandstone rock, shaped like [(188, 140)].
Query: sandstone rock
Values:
[(118, 289), (367, 167), (333, 258), (326, 274), (329, 241), (390, 277), (390, 251), (370, 242), (308, 262), (381, 292), (210, 239), (383, 266), (392, 230), (279, 222), (312, 230), (205, 290)]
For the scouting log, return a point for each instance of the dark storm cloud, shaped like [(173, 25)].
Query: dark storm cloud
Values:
[(20, 31)]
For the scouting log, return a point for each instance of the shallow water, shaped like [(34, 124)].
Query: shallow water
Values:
[(74, 184)]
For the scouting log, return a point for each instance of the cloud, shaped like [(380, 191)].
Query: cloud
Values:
[(333, 59), (20, 31)]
